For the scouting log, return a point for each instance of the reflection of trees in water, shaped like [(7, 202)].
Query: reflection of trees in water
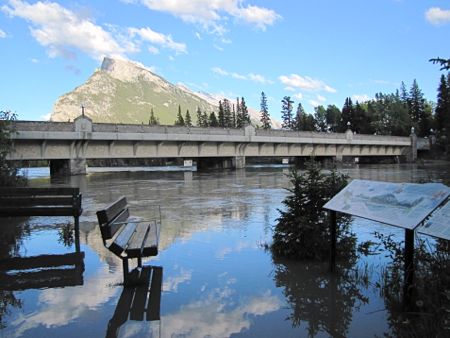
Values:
[(66, 234), (324, 300), (428, 312), (13, 231)]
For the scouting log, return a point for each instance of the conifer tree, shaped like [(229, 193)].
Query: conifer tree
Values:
[(286, 112), (416, 105), (333, 116), (227, 115), (213, 121), (239, 117), (443, 104), (221, 116), (245, 114), (180, 119), (320, 118), (347, 115), (153, 121), (199, 117), (205, 122), (188, 119), (265, 117)]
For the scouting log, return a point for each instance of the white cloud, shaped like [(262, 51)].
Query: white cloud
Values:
[(33, 60), (198, 36), (212, 15), (314, 103), (165, 41), (437, 16), (219, 71), (320, 98), (2, 34), (259, 78), (361, 98), (153, 50), (305, 83), (251, 76), (62, 31), (298, 96)]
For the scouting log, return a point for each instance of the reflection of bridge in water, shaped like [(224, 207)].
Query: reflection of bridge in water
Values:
[(68, 145)]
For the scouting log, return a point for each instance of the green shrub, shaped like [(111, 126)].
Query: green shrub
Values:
[(303, 231), (8, 174)]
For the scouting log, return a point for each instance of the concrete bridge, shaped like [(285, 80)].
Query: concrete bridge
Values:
[(67, 145)]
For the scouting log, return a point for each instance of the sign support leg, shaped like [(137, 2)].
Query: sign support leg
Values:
[(332, 240)]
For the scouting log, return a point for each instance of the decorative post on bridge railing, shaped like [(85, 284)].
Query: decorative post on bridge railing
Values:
[(413, 137)]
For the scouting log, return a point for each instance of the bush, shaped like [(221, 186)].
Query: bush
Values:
[(303, 231), (8, 174)]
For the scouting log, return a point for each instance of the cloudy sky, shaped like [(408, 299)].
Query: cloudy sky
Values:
[(316, 51)]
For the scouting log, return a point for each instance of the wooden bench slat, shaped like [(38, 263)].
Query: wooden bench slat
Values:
[(120, 241), (154, 300), (20, 201), (109, 229), (151, 243), (31, 191), (140, 297), (136, 243), (109, 213)]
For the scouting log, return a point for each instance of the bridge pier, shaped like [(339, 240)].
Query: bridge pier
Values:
[(68, 167), (208, 163)]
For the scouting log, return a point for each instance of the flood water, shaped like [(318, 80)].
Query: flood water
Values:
[(218, 280)]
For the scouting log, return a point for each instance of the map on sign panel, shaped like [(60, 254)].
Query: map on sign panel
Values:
[(400, 204), (438, 225)]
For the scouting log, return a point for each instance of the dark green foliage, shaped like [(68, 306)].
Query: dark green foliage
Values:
[(286, 112), (188, 119), (153, 121), (429, 312), (213, 122), (333, 116), (443, 113), (8, 174), (227, 114), (265, 116), (320, 118), (444, 63), (303, 231), (417, 112), (347, 116), (180, 119), (221, 116)]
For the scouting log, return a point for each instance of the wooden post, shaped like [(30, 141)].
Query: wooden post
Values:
[(409, 266), (77, 233), (332, 240)]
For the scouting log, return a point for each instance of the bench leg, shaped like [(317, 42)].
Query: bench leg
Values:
[(125, 269), (140, 262), (77, 234)]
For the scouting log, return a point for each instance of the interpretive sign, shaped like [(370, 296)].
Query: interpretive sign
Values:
[(404, 205), (438, 225)]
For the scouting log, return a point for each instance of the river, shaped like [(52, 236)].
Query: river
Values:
[(218, 279)]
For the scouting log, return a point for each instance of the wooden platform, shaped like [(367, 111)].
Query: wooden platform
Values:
[(140, 300)]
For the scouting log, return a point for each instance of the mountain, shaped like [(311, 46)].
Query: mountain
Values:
[(124, 91)]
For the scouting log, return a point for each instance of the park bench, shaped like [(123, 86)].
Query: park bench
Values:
[(128, 238), (49, 201)]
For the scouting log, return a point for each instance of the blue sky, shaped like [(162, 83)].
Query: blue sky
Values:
[(316, 51)]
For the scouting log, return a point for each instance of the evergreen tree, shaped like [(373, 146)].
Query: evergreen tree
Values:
[(416, 105), (444, 63), (227, 115), (240, 123), (180, 119), (221, 117), (265, 117), (188, 119), (443, 104), (244, 110), (286, 112), (213, 121), (346, 116), (199, 117), (153, 121), (204, 120)]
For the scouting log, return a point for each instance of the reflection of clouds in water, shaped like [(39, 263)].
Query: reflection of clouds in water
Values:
[(209, 317), (62, 305), (241, 245), (171, 283)]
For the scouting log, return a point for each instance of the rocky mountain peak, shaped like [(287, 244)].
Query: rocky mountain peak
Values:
[(127, 71)]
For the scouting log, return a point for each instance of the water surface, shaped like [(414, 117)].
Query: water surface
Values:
[(218, 280)]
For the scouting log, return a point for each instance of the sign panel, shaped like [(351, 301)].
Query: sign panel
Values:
[(404, 205), (438, 225)]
